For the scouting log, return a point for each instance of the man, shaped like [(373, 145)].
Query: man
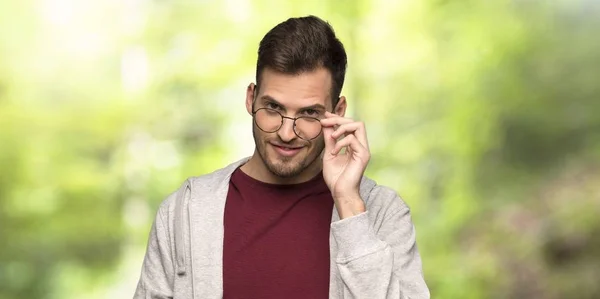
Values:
[(297, 219)]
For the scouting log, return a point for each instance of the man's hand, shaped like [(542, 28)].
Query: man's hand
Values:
[(343, 171)]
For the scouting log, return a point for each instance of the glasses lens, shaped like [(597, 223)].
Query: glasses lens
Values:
[(268, 120), (307, 128)]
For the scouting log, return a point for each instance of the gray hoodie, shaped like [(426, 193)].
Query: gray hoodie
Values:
[(373, 254)]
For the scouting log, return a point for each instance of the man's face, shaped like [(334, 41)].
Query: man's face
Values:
[(308, 94)]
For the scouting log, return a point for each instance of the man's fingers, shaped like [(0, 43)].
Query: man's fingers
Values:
[(351, 142), (356, 128), (329, 141), (335, 126), (333, 119)]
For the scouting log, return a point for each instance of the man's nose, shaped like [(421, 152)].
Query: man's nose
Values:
[(286, 132)]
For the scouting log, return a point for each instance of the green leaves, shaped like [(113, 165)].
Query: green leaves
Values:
[(482, 114)]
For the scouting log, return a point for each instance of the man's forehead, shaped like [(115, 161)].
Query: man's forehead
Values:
[(318, 80), (295, 90)]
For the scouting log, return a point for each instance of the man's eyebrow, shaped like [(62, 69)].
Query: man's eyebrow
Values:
[(269, 98), (314, 107)]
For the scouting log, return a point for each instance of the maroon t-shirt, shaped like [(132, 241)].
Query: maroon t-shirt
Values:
[(276, 239)]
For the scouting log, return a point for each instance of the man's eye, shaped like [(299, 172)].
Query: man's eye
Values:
[(311, 112), (272, 106)]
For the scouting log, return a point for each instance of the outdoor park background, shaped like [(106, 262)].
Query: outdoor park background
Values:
[(483, 115)]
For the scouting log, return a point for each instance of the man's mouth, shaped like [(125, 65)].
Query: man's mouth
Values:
[(286, 151)]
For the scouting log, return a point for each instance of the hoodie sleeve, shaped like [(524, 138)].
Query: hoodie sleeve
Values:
[(383, 262), (156, 280)]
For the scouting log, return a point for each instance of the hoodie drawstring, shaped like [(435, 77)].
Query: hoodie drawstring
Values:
[(180, 205)]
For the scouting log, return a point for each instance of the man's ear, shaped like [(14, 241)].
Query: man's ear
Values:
[(250, 97), (340, 108)]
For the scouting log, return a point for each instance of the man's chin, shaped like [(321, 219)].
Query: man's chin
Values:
[(284, 167)]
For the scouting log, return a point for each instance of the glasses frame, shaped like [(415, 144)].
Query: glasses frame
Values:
[(283, 119)]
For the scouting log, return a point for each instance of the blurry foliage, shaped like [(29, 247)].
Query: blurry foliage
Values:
[(484, 115)]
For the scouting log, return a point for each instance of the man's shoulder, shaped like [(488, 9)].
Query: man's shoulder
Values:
[(201, 182), (380, 196)]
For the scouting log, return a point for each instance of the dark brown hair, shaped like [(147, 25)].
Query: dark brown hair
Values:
[(302, 45)]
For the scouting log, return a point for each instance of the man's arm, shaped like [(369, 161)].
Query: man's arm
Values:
[(379, 263), (156, 280), (374, 261)]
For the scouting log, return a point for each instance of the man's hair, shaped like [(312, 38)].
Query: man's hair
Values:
[(302, 45)]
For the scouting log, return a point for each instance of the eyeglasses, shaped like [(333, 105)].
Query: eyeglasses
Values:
[(270, 121)]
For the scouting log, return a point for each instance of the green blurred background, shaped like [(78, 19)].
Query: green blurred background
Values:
[(483, 115)]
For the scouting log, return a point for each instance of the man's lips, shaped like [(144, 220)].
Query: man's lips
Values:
[(286, 150), (287, 146)]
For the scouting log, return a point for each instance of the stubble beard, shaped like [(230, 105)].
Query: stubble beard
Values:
[(286, 167)]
